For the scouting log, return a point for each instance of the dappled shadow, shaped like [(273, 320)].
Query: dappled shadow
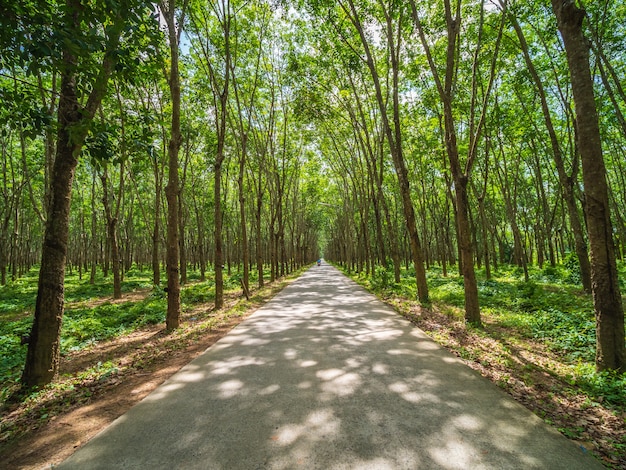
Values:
[(325, 376)]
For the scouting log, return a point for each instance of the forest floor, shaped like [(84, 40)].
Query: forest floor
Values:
[(46, 430)]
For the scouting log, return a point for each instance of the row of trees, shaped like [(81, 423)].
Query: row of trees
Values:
[(167, 138), (219, 133), (479, 121)]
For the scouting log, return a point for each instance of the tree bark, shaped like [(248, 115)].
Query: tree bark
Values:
[(607, 300), (245, 251), (156, 232), (259, 240), (111, 222), (172, 190), (219, 253)]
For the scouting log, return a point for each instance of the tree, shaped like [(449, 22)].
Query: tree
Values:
[(461, 173), (174, 30), (607, 300), (74, 119)]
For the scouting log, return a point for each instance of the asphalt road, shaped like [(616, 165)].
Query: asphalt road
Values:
[(327, 377)]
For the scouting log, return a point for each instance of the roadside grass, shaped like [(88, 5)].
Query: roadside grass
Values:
[(91, 315), (537, 342)]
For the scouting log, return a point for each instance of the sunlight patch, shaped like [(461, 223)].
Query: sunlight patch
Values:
[(228, 367), (467, 422), (380, 368), (342, 385), (269, 389), (329, 374), (455, 454), (291, 354), (230, 388), (320, 424)]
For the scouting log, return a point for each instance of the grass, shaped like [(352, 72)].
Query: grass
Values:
[(89, 317)]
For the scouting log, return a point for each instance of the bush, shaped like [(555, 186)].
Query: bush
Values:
[(572, 265), (381, 278), (607, 387)]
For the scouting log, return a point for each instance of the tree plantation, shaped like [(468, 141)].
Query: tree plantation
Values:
[(227, 143)]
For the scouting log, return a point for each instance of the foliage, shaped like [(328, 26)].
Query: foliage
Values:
[(604, 386)]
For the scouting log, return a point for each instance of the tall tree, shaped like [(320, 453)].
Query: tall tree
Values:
[(607, 300), (461, 172), (77, 28), (174, 30), (215, 53)]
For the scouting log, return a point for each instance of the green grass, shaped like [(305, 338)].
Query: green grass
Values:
[(84, 324)]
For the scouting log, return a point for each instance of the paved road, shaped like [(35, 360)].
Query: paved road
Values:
[(327, 377)]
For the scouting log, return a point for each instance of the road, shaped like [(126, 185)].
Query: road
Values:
[(325, 376)]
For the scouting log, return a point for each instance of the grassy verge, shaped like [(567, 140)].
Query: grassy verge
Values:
[(537, 343)]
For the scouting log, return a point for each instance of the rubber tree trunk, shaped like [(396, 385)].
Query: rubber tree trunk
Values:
[(219, 249), (172, 190), (43, 355), (112, 234), (245, 251), (394, 137), (607, 300)]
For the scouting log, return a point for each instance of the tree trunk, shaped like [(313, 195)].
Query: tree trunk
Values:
[(156, 232), (259, 240), (219, 253), (111, 222), (607, 300), (182, 246), (245, 252), (172, 190), (94, 233)]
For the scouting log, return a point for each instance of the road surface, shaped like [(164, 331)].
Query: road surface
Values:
[(325, 376)]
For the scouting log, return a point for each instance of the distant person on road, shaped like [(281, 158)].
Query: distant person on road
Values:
[(319, 262)]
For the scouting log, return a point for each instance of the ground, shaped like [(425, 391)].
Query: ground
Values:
[(51, 428)]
